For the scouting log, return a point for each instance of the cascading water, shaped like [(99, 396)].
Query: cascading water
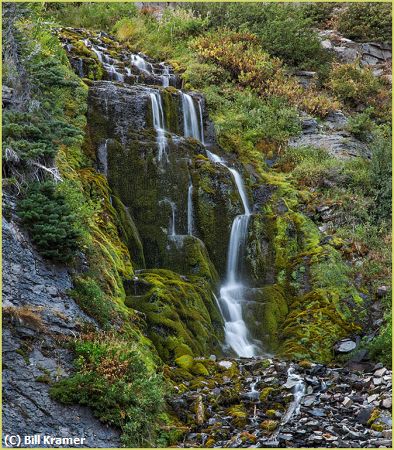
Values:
[(102, 156), (140, 63), (191, 123), (158, 124), (171, 228), (190, 209), (296, 383), (165, 75), (298, 386), (232, 291)]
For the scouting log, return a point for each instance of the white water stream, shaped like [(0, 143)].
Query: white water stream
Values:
[(190, 224), (158, 124), (232, 291), (192, 124)]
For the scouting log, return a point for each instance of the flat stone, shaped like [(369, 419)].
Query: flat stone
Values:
[(380, 372), (372, 398), (347, 402), (386, 403), (225, 364), (346, 346), (317, 412)]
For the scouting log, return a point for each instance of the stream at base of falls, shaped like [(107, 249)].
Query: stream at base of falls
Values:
[(267, 402)]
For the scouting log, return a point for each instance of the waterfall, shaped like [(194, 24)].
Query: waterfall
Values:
[(191, 123), (102, 157), (158, 124), (141, 63), (232, 291), (165, 75), (296, 382), (171, 228), (113, 73), (190, 209)]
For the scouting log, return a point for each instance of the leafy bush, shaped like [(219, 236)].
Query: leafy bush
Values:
[(381, 174), (180, 24), (92, 15), (240, 55), (362, 125), (380, 348), (51, 222), (319, 13), (310, 166), (113, 379), (283, 30), (89, 296), (366, 22), (353, 84), (199, 75)]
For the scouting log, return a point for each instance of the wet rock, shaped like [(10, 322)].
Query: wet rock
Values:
[(345, 346)]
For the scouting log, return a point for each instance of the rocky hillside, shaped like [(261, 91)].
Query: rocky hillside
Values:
[(195, 229)]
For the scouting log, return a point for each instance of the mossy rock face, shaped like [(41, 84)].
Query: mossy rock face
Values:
[(265, 314), (181, 314), (154, 190), (318, 304), (129, 233), (188, 255), (260, 253), (217, 204)]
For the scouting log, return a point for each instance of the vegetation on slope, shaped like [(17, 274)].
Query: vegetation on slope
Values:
[(254, 100)]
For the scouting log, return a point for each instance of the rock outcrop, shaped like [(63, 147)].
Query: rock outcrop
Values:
[(39, 318)]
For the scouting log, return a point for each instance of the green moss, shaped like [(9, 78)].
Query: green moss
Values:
[(184, 362), (181, 313), (129, 233), (239, 415), (171, 105), (46, 379), (269, 425), (199, 369), (265, 393)]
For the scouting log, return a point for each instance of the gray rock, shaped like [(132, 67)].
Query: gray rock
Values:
[(364, 414), (29, 280), (345, 346)]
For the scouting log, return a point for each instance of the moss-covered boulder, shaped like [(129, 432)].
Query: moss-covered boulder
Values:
[(217, 204), (180, 313)]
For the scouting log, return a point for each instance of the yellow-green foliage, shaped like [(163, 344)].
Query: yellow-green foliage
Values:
[(356, 85), (180, 313), (241, 55)]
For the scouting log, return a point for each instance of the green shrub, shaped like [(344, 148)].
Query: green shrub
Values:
[(89, 296), (362, 125), (92, 15), (319, 13), (240, 54), (51, 222), (381, 174), (352, 83), (283, 29), (366, 22), (114, 381), (180, 24)]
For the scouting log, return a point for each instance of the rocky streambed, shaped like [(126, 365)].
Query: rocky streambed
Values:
[(262, 402)]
